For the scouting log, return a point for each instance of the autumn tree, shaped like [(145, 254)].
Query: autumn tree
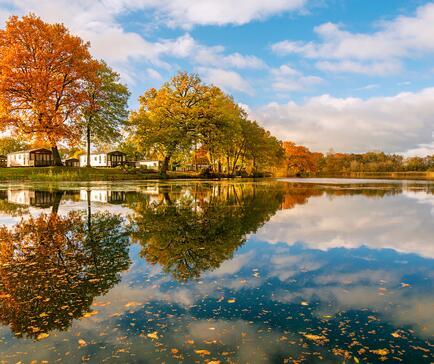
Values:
[(167, 119), (43, 73), (9, 144), (299, 160), (105, 108)]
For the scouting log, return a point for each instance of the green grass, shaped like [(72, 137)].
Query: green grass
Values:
[(54, 174)]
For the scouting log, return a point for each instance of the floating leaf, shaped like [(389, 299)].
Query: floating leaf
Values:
[(153, 335), (382, 352), (90, 314), (320, 339), (42, 336), (132, 304), (82, 343), (202, 352), (232, 300)]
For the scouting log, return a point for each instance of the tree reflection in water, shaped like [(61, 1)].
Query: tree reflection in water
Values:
[(188, 234), (52, 267)]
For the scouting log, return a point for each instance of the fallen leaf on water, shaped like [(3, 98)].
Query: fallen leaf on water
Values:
[(214, 362), (304, 303), (382, 352), (42, 336), (404, 285), (101, 304), (174, 351), (232, 300), (320, 339), (395, 334), (82, 343), (43, 314), (132, 304), (90, 314), (153, 335), (202, 352)]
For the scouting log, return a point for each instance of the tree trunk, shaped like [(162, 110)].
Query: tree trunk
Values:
[(165, 165), (228, 166), (57, 161), (56, 203), (88, 143)]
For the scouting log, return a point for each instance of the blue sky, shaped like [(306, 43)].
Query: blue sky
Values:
[(353, 75)]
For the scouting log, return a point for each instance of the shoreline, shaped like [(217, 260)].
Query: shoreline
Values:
[(76, 174), (100, 174)]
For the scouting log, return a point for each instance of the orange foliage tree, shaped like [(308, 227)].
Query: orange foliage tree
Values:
[(43, 69), (299, 160)]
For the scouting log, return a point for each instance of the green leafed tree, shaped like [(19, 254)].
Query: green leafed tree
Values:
[(166, 122), (106, 108), (10, 144)]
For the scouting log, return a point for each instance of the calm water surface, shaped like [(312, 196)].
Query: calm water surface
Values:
[(217, 272)]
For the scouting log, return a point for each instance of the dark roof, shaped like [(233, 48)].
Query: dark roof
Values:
[(71, 159), (116, 151), (31, 150), (2, 156)]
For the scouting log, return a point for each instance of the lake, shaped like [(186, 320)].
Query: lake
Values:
[(275, 271)]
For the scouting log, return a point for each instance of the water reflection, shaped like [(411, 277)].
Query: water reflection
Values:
[(52, 267), (190, 233), (226, 272)]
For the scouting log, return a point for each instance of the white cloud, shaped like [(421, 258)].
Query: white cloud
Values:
[(370, 68), (154, 74), (328, 222), (286, 78), (187, 47), (98, 23), (405, 36), (422, 149), (227, 80), (393, 124), (187, 13), (371, 86)]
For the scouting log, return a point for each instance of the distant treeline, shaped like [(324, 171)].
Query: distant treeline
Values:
[(300, 161)]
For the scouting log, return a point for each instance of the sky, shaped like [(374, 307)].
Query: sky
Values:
[(352, 75)]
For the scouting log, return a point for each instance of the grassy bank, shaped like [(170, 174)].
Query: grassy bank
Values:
[(53, 174)]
